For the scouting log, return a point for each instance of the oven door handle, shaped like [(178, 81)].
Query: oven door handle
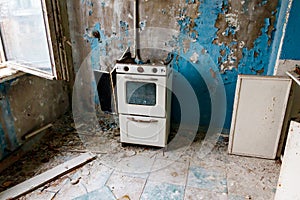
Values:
[(141, 79), (142, 121)]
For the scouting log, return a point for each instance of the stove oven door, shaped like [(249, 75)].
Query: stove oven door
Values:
[(141, 95)]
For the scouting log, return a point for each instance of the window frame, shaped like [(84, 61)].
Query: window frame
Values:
[(56, 45)]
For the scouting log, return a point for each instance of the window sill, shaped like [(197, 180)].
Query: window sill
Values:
[(10, 70), (7, 74)]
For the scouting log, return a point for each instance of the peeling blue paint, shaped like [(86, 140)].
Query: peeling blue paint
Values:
[(201, 32), (183, 24), (124, 27), (264, 2), (291, 42), (254, 61), (281, 15), (251, 64), (206, 32), (190, 1), (98, 48), (89, 4), (8, 135), (2, 143), (98, 45), (143, 25)]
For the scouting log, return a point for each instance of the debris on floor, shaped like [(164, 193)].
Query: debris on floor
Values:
[(139, 172), (48, 176)]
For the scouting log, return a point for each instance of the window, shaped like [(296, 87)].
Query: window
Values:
[(31, 38)]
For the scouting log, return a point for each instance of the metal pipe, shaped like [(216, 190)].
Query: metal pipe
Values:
[(134, 28), (136, 32)]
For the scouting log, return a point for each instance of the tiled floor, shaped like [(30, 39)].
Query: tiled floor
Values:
[(216, 176), (139, 172)]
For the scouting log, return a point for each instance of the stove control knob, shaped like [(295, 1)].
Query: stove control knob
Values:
[(140, 69), (126, 68), (154, 70)]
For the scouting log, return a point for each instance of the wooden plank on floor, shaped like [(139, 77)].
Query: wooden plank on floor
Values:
[(46, 177)]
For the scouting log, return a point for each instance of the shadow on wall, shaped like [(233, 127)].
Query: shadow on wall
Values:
[(200, 88)]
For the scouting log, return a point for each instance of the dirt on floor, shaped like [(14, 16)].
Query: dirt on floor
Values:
[(64, 141), (60, 143)]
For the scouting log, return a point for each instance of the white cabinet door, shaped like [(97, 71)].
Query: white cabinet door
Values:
[(258, 115), (288, 183)]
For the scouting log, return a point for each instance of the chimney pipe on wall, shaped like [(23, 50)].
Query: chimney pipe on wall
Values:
[(136, 33)]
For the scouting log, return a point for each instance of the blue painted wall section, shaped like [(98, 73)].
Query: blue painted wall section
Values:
[(202, 35), (8, 137), (230, 57), (98, 43), (89, 4), (223, 37), (281, 20), (291, 43), (256, 60)]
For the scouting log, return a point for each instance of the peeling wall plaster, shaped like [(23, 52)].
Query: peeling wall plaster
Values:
[(246, 28), (230, 37), (26, 104)]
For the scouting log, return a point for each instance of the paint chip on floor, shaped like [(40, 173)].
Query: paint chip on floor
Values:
[(164, 191), (207, 179), (102, 194)]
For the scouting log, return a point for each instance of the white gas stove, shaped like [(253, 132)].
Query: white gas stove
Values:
[(144, 103)]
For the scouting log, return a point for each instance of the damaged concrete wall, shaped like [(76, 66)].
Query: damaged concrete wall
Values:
[(236, 36), (28, 103)]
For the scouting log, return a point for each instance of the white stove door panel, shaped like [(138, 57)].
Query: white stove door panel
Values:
[(141, 95), (143, 130)]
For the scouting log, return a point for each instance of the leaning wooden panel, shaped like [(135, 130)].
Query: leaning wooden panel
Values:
[(258, 115), (288, 183)]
